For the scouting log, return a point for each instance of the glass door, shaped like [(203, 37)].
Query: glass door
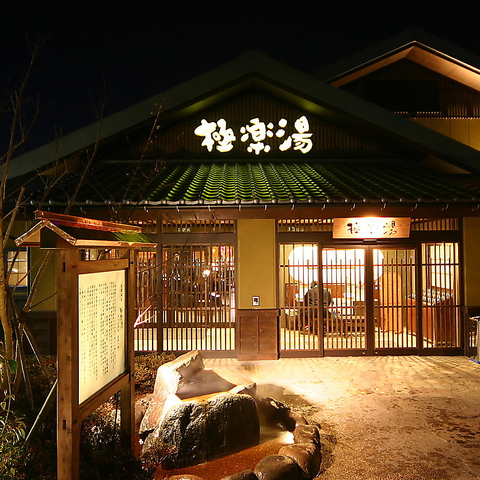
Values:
[(344, 284), (300, 298), (373, 291), (369, 299), (198, 297)]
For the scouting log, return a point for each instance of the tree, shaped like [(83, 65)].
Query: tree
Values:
[(18, 114)]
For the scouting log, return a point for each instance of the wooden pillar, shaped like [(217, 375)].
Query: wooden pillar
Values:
[(68, 421), (127, 394)]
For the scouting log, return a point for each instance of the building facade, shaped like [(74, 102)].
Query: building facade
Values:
[(295, 215)]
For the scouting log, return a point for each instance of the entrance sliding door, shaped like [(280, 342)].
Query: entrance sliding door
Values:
[(369, 299), (372, 291), (440, 296), (344, 284), (300, 305)]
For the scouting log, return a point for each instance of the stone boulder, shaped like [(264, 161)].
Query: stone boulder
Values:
[(201, 430), (141, 406), (277, 467), (275, 414), (306, 455), (298, 419), (306, 434), (184, 377)]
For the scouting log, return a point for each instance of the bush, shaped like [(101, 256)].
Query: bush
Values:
[(102, 455), (146, 367), (12, 426), (12, 434)]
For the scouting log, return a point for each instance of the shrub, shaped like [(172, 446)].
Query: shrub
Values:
[(146, 367), (12, 434), (12, 426), (102, 455)]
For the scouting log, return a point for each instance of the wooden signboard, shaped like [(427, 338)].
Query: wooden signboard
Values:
[(371, 227), (95, 348), (96, 313)]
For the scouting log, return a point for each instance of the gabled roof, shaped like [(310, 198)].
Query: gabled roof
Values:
[(53, 230), (414, 44), (255, 69)]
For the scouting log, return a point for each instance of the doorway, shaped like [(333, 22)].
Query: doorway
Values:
[(196, 300), (369, 299)]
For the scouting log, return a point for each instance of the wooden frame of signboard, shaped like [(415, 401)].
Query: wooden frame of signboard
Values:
[(85, 288), (71, 408)]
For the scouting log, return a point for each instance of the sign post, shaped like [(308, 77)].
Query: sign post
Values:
[(96, 295), (95, 348)]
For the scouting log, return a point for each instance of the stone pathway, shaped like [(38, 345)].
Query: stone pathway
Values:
[(382, 418)]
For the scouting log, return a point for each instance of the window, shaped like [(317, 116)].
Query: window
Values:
[(17, 268)]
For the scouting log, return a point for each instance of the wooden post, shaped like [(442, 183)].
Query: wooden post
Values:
[(127, 395), (68, 422)]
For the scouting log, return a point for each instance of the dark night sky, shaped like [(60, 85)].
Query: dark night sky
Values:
[(133, 50)]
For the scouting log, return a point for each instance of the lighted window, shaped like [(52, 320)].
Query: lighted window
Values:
[(17, 268)]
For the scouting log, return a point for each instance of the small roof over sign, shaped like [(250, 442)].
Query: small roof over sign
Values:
[(54, 230)]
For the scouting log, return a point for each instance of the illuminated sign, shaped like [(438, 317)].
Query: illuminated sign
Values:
[(371, 227), (256, 135), (101, 330)]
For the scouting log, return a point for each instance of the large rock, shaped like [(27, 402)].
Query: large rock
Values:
[(170, 377), (184, 377), (194, 431), (203, 382), (306, 455), (277, 467)]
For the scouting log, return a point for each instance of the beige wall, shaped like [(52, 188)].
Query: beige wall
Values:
[(465, 130), (47, 284), (471, 255), (256, 263)]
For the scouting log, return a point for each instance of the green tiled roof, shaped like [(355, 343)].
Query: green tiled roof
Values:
[(192, 183), (371, 181)]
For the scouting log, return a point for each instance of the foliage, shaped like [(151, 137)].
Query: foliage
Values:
[(15, 417), (12, 427), (12, 434), (102, 454), (39, 461), (41, 384), (146, 367)]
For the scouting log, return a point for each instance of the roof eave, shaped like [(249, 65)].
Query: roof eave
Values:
[(406, 39)]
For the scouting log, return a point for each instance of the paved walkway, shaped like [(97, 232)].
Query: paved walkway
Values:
[(382, 418)]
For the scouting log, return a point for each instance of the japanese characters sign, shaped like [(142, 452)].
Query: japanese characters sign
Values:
[(101, 330), (371, 227), (256, 136)]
